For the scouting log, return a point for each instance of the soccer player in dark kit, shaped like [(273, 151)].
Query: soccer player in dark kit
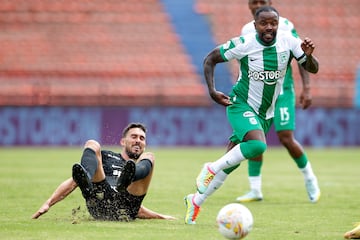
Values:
[(112, 184)]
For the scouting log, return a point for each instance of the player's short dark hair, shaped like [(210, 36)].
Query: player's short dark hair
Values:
[(265, 9), (133, 125)]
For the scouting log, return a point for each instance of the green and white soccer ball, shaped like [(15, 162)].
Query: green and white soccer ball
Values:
[(234, 221)]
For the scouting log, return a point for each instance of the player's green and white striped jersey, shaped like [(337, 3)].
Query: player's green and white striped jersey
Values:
[(262, 68), (284, 25)]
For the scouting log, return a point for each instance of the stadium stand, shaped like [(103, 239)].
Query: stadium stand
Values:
[(127, 53), (332, 24), (93, 53)]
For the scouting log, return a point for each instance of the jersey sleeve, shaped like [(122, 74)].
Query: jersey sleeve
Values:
[(287, 26), (296, 50), (248, 28), (232, 49)]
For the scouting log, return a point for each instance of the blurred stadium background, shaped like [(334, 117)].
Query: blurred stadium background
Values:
[(73, 70)]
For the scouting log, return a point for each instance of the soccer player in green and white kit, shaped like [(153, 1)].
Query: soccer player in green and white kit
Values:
[(284, 120), (264, 57)]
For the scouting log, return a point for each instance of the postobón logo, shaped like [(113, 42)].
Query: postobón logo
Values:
[(268, 77)]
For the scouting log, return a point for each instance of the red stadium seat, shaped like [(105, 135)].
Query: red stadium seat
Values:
[(326, 22), (118, 53)]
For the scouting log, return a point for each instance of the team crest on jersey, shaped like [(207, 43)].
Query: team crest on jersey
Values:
[(283, 57)]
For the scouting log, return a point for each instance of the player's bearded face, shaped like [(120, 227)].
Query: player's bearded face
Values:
[(134, 143), (134, 151)]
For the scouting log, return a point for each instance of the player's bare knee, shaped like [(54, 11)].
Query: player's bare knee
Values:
[(286, 138), (93, 144), (148, 155), (230, 146)]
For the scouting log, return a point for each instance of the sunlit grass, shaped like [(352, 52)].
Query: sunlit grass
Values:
[(28, 176)]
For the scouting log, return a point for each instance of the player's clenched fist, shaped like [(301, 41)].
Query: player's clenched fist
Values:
[(308, 46)]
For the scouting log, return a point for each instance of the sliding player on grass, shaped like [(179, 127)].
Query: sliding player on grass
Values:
[(113, 185)]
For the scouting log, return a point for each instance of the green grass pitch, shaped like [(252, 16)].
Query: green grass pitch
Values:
[(28, 176)]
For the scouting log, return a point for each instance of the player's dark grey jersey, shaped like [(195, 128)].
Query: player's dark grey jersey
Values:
[(106, 203), (113, 163)]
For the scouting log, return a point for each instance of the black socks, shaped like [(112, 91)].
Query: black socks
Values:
[(143, 169), (89, 162)]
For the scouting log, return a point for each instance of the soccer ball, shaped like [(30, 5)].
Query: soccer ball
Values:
[(234, 221)]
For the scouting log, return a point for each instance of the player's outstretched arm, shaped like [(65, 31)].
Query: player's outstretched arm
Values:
[(145, 213), (61, 192)]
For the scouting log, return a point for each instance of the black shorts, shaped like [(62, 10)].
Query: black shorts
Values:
[(107, 204)]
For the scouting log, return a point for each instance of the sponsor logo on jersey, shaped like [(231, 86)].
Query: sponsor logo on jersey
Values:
[(115, 166), (248, 114), (268, 77), (284, 123), (113, 156)]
